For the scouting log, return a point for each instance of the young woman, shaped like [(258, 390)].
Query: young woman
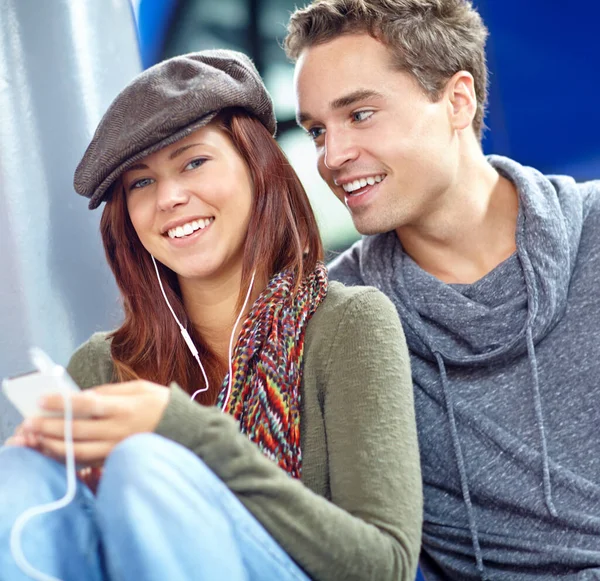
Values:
[(252, 420)]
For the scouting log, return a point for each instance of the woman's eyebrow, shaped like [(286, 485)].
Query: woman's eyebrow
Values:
[(173, 155), (183, 148)]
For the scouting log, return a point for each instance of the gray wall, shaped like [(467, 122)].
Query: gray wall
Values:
[(61, 64)]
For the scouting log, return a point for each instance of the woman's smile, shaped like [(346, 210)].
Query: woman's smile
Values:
[(187, 235), (187, 231)]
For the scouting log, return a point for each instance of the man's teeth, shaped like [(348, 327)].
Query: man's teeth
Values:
[(189, 228), (361, 183)]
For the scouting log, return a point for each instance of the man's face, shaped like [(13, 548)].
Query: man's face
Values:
[(384, 148)]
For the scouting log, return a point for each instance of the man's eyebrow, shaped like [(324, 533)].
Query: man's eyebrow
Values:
[(344, 101), (354, 97), (301, 117)]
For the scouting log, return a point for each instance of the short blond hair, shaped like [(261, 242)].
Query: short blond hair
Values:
[(430, 39)]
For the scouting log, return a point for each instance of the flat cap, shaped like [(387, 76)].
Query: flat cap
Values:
[(164, 104)]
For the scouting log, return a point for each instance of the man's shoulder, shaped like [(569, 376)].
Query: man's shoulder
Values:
[(590, 194), (345, 268), (91, 364)]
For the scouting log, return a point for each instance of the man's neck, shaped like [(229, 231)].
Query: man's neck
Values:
[(471, 230)]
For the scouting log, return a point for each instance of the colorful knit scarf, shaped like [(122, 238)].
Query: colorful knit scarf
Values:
[(267, 367)]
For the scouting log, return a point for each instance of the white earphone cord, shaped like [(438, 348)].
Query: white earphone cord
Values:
[(190, 343), (183, 330), (25, 517)]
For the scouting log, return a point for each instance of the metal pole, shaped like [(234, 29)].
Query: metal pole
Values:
[(61, 63)]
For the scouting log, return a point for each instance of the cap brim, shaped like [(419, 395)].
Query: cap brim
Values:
[(105, 186)]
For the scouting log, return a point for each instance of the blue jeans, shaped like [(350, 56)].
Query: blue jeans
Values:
[(160, 514)]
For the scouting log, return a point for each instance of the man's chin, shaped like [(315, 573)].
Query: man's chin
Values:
[(370, 227)]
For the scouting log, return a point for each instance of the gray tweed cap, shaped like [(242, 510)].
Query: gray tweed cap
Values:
[(164, 104)]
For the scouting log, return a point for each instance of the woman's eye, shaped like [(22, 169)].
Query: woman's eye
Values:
[(361, 115), (195, 163), (140, 184)]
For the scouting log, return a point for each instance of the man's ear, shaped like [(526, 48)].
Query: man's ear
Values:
[(462, 100)]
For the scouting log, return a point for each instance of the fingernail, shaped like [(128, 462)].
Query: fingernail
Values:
[(28, 424)]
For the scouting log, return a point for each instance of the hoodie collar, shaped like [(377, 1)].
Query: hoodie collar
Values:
[(489, 320)]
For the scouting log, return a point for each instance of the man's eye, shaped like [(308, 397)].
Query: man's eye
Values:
[(140, 184), (361, 115), (315, 132), (195, 163)]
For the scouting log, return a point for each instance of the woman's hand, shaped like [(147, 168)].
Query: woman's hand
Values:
[(102, 417), (22, 438)]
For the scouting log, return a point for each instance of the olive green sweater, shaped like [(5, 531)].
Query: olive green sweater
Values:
[(356, 513)]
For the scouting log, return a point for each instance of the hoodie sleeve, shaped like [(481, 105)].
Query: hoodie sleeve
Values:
[(346, 267)]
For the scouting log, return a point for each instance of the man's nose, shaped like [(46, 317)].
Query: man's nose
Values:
[(339, 149)]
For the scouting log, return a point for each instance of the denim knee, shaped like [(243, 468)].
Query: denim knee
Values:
[(157, 512), (137, 455), (139, 449), (142, 455), (154, 466)]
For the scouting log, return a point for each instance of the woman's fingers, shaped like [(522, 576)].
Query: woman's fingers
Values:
[(82, 429), (15, 441), (87, 453), (103, 417), (22, 437), (91, 477), (86, 404)]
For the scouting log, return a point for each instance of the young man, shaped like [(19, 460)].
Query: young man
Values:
[(492, 267)]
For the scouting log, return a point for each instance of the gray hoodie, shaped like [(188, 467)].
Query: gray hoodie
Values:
[(507, 389)]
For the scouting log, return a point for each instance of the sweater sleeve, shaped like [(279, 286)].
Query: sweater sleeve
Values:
[(371, 527), (91, 364)]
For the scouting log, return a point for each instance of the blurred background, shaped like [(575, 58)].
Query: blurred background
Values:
[(171, 27), (544, 59), (63, 61)]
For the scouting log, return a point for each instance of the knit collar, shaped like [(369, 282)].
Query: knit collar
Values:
[(487, 321)]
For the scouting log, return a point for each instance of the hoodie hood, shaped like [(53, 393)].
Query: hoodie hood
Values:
[(488, 321)]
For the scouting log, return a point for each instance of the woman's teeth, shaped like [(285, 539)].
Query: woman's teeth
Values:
[(189, 228), (361, 183)]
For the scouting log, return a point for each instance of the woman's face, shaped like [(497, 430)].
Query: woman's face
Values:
[(190, 205)]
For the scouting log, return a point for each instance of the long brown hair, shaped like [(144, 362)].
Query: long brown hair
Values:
[(282, 234)]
